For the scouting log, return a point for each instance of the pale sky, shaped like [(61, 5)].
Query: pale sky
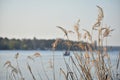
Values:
[(39, 18)]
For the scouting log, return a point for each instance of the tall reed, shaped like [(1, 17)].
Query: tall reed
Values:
[(93, 57)]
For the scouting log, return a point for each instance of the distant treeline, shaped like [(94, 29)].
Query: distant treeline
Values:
[(42, 44), (33, 44)]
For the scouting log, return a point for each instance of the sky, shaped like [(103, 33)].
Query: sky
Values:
[(38, 18)]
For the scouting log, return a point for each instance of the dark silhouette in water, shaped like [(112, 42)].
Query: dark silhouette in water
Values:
[(67, 53)]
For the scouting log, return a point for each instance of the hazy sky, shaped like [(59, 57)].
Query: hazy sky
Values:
[(39, 18)]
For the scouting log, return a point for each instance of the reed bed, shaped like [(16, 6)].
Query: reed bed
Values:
[(92, 64)]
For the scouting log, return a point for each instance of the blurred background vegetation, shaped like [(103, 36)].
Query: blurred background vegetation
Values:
[(40, 44), (31, 44)]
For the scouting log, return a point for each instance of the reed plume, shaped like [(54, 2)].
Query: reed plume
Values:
[(107, 32), (101, 14), (99, 18), (64, 30), (7, 63), (88, 35), (54, 45), (76, 28), (37, 54)]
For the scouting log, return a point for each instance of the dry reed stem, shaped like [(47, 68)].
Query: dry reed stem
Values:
[(29, 68), (68, 43), (90, 48), (17, 55), (54, 45), (76, 67), (30, 57), (18, 68), (81, 46), (44, 69), (51, 64), (85, 36), (118, 62), (62, 71), (86, 55)]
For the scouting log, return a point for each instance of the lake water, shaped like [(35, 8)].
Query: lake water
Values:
[(41, 65)]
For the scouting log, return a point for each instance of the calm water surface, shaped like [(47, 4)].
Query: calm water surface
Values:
[(36, 64)]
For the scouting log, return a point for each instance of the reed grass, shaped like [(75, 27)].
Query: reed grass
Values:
[(31, 71)]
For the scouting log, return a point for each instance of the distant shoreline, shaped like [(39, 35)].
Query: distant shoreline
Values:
[(43, 44)]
